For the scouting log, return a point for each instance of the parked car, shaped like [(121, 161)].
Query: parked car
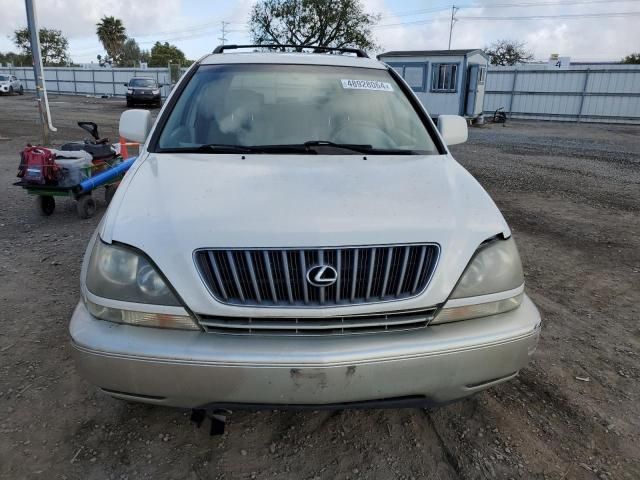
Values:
[(10, 84), (143, 90), (296, 232)]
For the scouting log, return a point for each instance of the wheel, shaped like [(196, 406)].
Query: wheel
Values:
[(129, 104), (21, 91), (46, 204), (109, 192), (10, 90), (86, 206)]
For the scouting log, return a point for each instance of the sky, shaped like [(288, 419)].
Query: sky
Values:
[(608, 32)]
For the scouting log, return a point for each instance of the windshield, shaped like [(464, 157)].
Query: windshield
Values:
[(142, 82), (4, 78), (347, 109)]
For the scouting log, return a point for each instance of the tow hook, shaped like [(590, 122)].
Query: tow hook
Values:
[(218, 419)]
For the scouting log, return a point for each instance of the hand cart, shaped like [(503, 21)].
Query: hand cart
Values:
[(104, 171)]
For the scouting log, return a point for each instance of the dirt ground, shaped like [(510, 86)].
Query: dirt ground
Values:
[(572, 196)]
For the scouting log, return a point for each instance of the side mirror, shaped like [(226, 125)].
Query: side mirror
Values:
[(453, 129), (160, 85), (135, 125), (126, 84)]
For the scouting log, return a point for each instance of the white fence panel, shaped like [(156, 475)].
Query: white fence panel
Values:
[(82, 81), (599, 93)]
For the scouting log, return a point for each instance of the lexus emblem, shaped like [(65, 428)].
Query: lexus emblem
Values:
[(322, 276)]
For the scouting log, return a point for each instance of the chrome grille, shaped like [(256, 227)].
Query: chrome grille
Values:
[(278, 277), (393, 321)]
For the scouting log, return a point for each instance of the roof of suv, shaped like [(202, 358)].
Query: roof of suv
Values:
[(292, 58)]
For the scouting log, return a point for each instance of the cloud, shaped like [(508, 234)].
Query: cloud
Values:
[(78, 18), (194, 26), (600, 38)]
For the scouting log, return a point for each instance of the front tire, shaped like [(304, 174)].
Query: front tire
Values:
[(129, 104), (21, 91), (10, 90)]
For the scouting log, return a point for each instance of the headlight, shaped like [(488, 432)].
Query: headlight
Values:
[(495, 268), (155, 92), (129, 91), (121, 274)]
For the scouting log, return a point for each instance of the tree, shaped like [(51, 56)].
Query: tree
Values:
[(508, 52), (112, 35), (53, 45), (632, 58), (131, 54), (322, 23), (15, 59), (164, 53)]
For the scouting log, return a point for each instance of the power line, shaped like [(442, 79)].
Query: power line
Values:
[(415, 22), (415, 12), (546, 4), (560, 15), (204, 29), (187, 28)]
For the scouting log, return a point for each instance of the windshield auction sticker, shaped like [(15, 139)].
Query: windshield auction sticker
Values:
[(367, 85)]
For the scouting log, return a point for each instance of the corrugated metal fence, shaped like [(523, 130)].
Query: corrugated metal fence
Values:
[(601, 93), (594, 93), (83, 81)]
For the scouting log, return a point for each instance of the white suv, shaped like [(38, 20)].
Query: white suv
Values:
[(10, 84), (295, 232)]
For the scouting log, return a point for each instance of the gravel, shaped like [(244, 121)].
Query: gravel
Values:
[(571, 194)]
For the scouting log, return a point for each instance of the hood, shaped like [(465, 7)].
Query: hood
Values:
[(172, 204)]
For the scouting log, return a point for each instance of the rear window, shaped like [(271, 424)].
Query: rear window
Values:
[(265, 104), (3, 78)]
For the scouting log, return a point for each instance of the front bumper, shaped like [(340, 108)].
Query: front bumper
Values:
[(141, 98), (4, 88), (189, 369)]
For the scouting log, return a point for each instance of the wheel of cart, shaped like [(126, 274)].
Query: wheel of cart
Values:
[(85, 206), (109, 192), (103, 175), (46, 204), (45, 196)]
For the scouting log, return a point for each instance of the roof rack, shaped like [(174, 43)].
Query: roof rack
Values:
[(359, 53)]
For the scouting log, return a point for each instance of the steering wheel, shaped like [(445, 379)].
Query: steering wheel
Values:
[(361, 132)]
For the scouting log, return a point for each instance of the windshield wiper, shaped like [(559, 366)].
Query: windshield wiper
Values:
[(212, 148), (228, 148), (360, 148), (224, 148), (342, 146), (304, 148)]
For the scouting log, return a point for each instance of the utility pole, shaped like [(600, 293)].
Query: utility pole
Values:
[(454, 9), (223, 38), (32, 25), (38, 72)]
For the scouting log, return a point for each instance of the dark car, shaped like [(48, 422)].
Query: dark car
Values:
[(143, 90)]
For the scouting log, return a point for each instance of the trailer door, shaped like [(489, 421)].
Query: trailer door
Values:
[(475, 90)]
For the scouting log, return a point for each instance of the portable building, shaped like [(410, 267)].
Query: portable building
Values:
[(447, 82)]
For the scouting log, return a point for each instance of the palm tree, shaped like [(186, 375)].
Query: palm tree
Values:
[(112, 35)]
